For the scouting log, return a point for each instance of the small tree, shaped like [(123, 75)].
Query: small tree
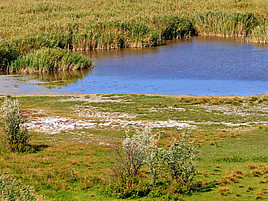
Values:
[(16, 136)]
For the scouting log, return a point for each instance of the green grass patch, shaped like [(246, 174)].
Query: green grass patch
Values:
[(77, 164)]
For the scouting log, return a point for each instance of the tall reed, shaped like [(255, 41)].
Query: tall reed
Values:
[(260, 33), (8, 53), (50, 60), (225, 24)]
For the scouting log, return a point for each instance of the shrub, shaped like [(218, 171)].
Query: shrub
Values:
[(11, 190), (155, 160), (49, 60), (135, 150), (8, 53), (15, 136), (180, 161), (141, 150)]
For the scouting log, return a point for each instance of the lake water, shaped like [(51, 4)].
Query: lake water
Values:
[(199, 66)]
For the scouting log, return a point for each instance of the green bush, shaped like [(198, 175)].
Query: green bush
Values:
[(16, 137), (50, 60), (8, 53), (179, 159)]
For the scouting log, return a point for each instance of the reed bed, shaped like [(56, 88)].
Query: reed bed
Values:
[(50, 60), (225, 24), (8, 53), (260, 33), (106, 24)]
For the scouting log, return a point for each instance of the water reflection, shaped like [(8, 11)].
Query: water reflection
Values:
[(102, 55), (57, 80)]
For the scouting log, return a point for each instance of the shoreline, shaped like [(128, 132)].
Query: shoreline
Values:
[(56, 94)]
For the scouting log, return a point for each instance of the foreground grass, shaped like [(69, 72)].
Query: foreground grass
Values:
[(75, 164)]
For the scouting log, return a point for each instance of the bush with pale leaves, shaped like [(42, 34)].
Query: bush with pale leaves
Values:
[(16, 135)]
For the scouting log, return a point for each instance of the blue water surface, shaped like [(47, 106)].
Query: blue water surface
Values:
[(199, 66)]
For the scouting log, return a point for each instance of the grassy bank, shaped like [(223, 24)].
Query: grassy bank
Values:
[(74, 163)]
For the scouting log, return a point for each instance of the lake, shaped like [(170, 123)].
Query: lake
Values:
[(198, 66)]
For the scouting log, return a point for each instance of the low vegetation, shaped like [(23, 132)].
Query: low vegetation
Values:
[(171, 167), (50, 60), (78, 163), (12, 189), (226, 24)]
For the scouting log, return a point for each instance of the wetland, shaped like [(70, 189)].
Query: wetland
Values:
[(198, 66)]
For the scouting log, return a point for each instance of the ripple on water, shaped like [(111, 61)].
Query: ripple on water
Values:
[(200, 66)]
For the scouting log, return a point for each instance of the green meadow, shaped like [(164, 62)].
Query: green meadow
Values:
[(76, 163)]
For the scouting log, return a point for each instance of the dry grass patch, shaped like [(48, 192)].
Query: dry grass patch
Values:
[(225, 190), (256, 172)]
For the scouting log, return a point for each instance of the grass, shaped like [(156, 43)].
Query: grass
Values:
[(8, 53), (75, 164), (11, 189), (50, 60), (226, 24)]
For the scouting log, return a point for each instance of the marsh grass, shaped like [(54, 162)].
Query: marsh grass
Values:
[(260, 33), (77, 25), (50, 60), (109, 35), (225, 24), (8, 53)]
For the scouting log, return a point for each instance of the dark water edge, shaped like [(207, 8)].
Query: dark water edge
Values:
[(199, 66)]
